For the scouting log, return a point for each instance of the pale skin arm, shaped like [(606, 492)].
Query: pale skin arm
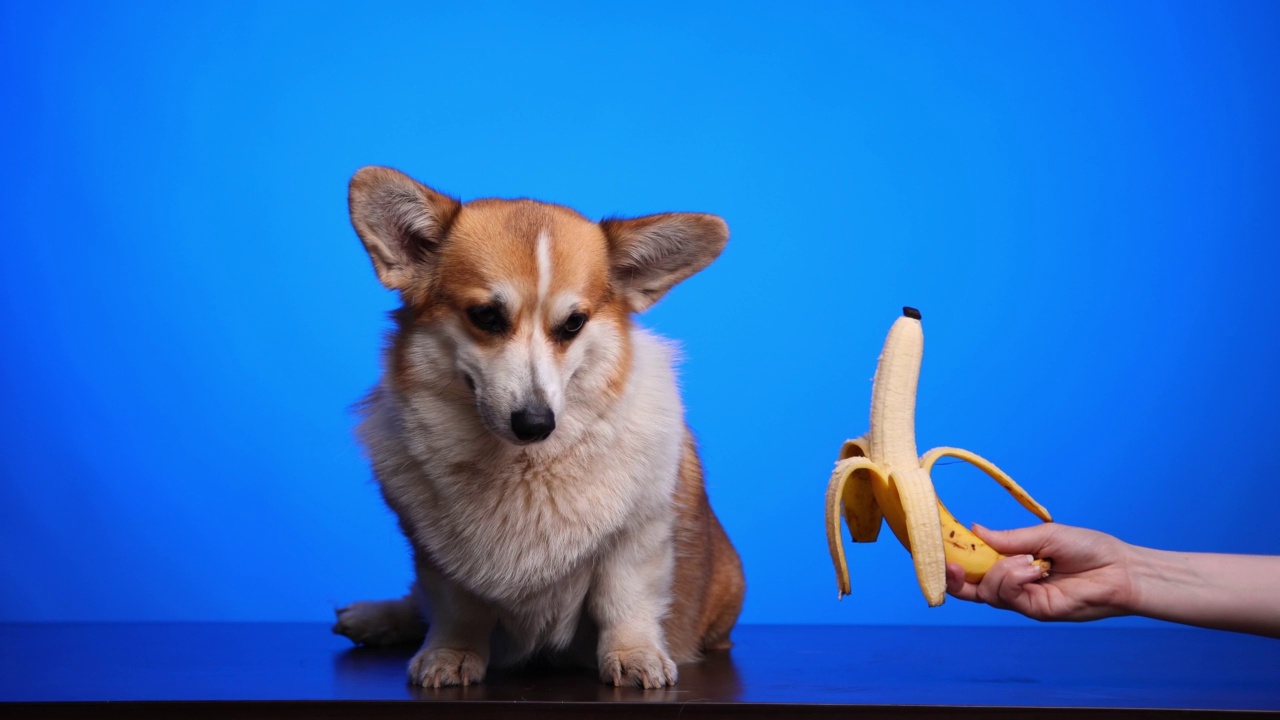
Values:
[(1096, 576)]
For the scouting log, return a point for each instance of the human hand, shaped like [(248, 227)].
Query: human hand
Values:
[(1090, 577)]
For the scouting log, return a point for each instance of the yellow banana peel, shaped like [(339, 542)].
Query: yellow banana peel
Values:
[(879, 478)]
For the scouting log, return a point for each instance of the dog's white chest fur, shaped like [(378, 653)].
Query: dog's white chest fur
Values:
[(521, 526)]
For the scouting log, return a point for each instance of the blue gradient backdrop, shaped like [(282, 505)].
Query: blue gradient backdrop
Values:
[(1081, 197)]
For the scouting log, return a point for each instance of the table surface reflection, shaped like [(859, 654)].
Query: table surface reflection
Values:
[(301, 670)]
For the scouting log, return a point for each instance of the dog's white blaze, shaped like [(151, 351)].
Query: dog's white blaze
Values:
[(546, 374), (543, 255)]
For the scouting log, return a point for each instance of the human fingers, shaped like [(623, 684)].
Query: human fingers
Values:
[(1032, 540), (1003, 585), (956, 584)]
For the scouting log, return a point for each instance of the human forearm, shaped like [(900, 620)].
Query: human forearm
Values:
[(1225, 592)]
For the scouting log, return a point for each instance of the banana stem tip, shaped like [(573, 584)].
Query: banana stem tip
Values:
[(911, 312)]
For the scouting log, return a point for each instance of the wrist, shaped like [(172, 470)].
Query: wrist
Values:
[(1141, 578), (1165, 584)]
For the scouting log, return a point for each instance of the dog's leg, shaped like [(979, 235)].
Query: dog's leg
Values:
[(456, 651), (381, 622), (629, 597)]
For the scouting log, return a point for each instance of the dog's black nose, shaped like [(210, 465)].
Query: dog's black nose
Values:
[(533, 424)]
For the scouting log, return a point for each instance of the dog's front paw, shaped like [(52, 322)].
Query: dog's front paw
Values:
[(648, 667), (440, 667)]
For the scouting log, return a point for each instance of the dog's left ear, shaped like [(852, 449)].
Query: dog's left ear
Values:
[(650, 254)]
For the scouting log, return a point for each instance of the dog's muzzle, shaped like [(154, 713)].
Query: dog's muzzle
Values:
[(533, 424)]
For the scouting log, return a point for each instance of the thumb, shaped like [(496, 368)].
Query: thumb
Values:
[(1022, 541)]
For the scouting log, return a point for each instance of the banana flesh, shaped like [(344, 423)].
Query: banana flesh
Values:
[(880, 478)]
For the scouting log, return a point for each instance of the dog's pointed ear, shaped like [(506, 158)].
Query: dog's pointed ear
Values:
[(650, 254), (400, 221)]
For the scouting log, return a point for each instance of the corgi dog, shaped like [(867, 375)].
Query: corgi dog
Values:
[(531, 440)]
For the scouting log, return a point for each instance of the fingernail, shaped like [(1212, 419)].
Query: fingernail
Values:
[(1031, 571), (1031, 559)]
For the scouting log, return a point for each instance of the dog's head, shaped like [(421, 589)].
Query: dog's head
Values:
[(526, 304)]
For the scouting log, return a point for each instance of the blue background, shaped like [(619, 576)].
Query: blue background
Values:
[(1081, 197)]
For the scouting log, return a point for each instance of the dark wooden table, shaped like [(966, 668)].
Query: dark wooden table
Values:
[(302, 671)]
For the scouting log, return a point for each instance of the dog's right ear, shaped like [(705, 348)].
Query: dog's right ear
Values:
[(400, 221)]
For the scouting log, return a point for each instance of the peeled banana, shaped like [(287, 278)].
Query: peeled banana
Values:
[(879, 477)]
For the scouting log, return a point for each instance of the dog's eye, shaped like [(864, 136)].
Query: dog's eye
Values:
[(488, 318), (572, 326)]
